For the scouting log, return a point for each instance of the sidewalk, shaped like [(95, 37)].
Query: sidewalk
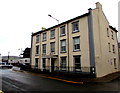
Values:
[(76, 80)]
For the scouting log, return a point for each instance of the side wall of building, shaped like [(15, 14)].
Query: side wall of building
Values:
[(104, 59)]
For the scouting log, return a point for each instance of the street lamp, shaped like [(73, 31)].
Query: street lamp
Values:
[(53, 18), (8, 56)]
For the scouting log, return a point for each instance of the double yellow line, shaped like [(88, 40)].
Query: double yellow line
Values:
[(45, 76)]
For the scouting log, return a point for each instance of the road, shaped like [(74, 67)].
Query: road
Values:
[(22, 82)]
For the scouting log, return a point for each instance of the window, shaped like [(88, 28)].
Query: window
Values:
[(108, 32), (44, 37), (75, 27), (44, 63), (115, 66), (63, 45), (37, 50), (62, 30), (44, 48), (112, 35), (77, 63), (36, 62), (52, 34), (109, 47), (63, 63), (76, 41), (37, 39), (113, 47), (52, 46)]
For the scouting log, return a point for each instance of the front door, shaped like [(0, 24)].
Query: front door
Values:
[(52, 64)]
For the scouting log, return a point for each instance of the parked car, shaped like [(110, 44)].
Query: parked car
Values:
[(5, 65)]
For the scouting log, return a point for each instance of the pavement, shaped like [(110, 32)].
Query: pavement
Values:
[(75, 80)]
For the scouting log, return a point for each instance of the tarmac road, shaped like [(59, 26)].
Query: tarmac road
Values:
[(20, 82)]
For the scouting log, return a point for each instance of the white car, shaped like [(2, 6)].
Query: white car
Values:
[(5, 65)]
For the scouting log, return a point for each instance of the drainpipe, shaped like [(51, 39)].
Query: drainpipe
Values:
[(68, 44)]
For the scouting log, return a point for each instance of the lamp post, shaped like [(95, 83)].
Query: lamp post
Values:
[(53, 18), (8, 57)]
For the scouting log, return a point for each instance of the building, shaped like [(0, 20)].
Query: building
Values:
[(0, 58), (85, 44), (26, 53), (119, 50)]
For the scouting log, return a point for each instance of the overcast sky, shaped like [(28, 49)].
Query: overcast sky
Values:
[(19, 18)]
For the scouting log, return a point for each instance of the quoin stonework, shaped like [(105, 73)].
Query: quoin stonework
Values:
[(85, 44)]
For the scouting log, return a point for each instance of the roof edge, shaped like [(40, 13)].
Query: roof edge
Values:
[(86, 14)]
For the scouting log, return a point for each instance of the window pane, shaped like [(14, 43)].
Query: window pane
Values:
[(76, 41), (63, 45)]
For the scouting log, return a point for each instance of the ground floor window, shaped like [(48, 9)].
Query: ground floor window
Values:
[(44, 63), (63, 63), (115, 66), (36, 62), (77, 63)]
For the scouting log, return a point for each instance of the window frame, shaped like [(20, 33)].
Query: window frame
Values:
[(63, 47), (74, 48), (37, 38), (52, 47), (74, 30), (44, 36), (52, 36), (61, 30), (76, 63), (63, 64), (37, 50), (43, 48)]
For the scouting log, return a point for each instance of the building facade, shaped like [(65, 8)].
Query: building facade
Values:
[(85, 44)]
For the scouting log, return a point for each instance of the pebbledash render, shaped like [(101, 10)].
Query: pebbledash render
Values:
[(85, 44)]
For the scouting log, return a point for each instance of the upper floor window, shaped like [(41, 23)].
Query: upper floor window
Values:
[(109, 47), (37, 49), (112, 34), (75, 26), (52, 46), (108, 32), (44, 37), (62, 30), (113, 47), (44, 48), (63, 45), (37, 39), (52, 34), (76, 41)]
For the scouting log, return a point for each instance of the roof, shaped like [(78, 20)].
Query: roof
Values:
[(86, 14), (114, 29)]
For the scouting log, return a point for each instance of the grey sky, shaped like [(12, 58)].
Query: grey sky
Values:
[(19, 18)]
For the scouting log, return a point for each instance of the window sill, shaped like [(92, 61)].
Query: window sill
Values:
[(76, 50), (62, 35), (75, 31), (52, 37), (43, 40), (63, 52)]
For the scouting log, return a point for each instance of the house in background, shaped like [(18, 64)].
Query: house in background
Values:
[(85, 44)]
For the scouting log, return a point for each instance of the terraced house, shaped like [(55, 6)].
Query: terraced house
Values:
[(85, 44)]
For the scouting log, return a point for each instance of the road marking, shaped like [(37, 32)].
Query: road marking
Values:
[(43, 75)]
